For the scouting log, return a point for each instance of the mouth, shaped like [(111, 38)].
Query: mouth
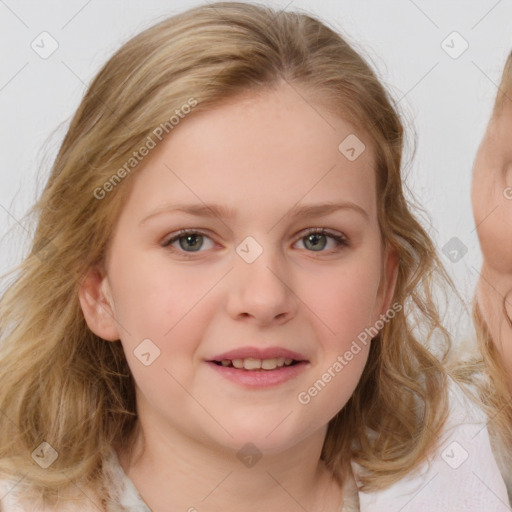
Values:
[(253, 364), (253, 367)]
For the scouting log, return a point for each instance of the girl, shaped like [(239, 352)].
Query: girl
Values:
[(491, 196), (228, 302)]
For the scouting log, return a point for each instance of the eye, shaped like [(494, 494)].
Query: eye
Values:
[(188, 241), (316, 240)]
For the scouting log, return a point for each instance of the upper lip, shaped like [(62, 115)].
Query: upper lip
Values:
[(259, 353)]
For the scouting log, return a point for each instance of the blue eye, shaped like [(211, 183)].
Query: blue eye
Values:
[(187, 242), (316, 240)]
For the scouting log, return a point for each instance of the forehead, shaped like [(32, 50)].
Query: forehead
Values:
[(262, 150)]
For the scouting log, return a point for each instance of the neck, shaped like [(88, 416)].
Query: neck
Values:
[(174, 472)]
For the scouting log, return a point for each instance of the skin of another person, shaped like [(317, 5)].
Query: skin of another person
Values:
[(260, 156), (492, 208)]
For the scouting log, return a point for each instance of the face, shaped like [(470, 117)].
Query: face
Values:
[(492, 207), (248, 240)]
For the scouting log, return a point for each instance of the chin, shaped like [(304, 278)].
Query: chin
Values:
[(270, 435)]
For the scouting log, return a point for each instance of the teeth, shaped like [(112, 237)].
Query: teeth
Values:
[(269, 364), (251, 363)]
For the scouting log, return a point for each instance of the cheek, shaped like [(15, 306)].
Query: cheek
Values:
[(172, 307), (163, 312), (346, 300), (481, 194), (350, 311), (146, 289), (493, 218), (336, 378)]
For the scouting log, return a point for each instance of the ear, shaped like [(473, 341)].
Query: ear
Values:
[(389, 276), (97, 305)]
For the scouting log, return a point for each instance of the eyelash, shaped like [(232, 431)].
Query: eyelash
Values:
[(341, 241)]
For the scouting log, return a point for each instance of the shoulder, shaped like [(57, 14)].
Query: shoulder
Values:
[(461, 476), (13, 499), (120, 493)]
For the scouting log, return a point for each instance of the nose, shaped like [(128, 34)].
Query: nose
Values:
[(261, 292)]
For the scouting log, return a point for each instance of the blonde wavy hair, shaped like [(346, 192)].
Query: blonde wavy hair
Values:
[(62, 384), (505, 87)]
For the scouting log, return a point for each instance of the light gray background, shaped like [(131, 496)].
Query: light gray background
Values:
[(446, 101)]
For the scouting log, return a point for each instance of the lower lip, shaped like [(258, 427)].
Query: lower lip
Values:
[(259, 378)]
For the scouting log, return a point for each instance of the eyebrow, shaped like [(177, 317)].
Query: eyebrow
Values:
[(224, 212)]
